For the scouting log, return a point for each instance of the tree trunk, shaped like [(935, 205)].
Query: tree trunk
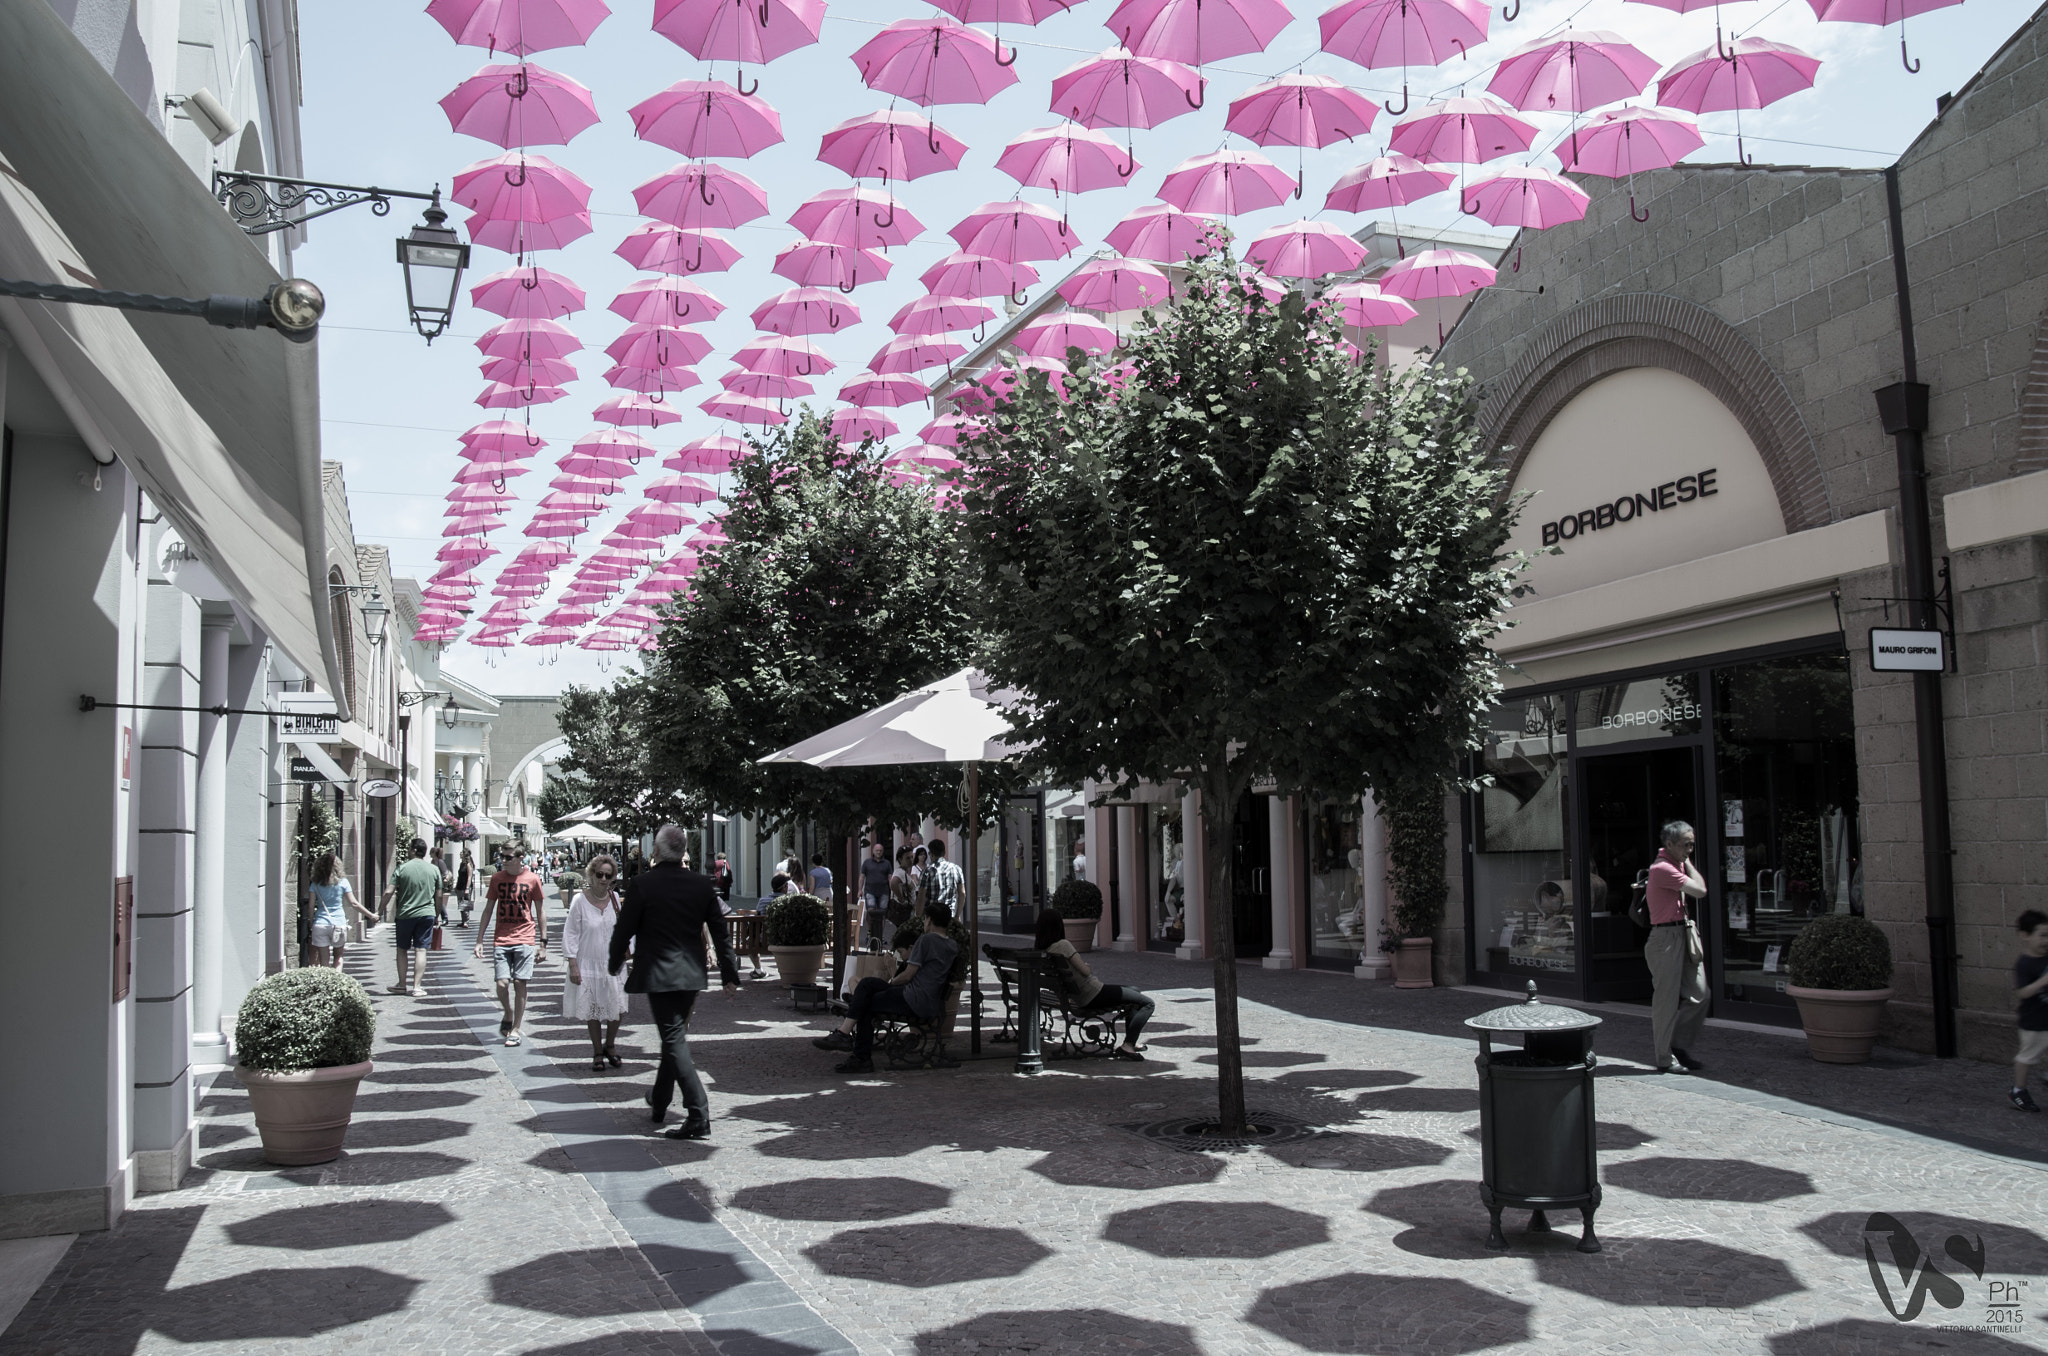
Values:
[(1219, 807)]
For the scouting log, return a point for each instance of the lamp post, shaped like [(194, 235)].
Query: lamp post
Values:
[(433, 259), (376, 614)]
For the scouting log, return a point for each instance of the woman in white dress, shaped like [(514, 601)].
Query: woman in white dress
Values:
[(593, 993)]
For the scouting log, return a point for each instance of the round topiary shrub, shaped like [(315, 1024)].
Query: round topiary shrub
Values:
[(569, 882), (1841, 951), (311, 1018), (1077, 899), (798, 920)]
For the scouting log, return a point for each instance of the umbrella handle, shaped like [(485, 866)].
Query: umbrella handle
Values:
[(697, 264), (740, 83), (1397, 112), (1912, 66), (1644, 215), (1020, 297), (673, 298), (1130, 161), (832, 318), (761, 12), (1510, 13), (1721, 51), (846, 288), (999, 55), (520, 182), (704, 190), (1200, 98), (883, 225), (518, 87), (931, 137)]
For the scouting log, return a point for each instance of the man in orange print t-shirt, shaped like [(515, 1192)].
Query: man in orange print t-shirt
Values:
[(513, 904)]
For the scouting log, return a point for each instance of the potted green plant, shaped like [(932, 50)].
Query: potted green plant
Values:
[(1841, 972), (302, 1045), (797, 928), (569, 882), (1079, 903), (1414, 817)]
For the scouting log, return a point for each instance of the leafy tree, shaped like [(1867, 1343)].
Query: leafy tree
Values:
[(609, 752), (561, 794), (1240, 553)]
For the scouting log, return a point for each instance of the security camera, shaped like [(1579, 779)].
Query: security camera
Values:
[(215, 123)]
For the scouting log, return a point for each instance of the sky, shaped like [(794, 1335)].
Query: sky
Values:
[(374, 71)]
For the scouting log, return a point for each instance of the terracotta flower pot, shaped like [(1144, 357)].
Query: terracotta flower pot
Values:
[(1412, 963), (1081, 932), (798, 964), (1841, 1024), (303, 1116)]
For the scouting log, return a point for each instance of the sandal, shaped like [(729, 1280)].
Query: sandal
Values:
[(512, 1038), (597, 1063), (611, 1058)]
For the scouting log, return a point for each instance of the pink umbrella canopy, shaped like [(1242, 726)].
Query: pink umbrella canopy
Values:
[(635, 411), (805, 310), (772, 385), (528, 372), (1436, 273), (1305, 249), (1525, 195), (1115, 285), (659, 247), (552, 527), (1119, 89), (696, 196), (553, 635), (948, 430), (870, 389), (785, 354), (1194, 32), (751, 31), (666, 300), (1462, 131), (562, 501), (611, 444), (521, 186), (854, 425), (1393, 180), (472, 524), (935, 61), (1026, 12), (961, 274), (1013, 231), (866, 218), (682, 489), (1226, 183), (527, 237), (501, 395), (939, 315), (1069, 158), (582, 484), (527, 293), (1379, 34), (520, 105), (523, 338), (1622, 141), (927, 456), (1301, 110), (714, 454), (1364, 305), (1879, 12), (650, 381), (744, 409), (893, 145), (914, 353), (1052, 335), (569, 615), (1159, 232), (653, 345), (1755, 74), (1572, 72), (519, 27), (699, 118), (494, 473), (468, 550), (813, 263)]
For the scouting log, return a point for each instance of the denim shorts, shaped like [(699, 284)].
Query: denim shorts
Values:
[(328, 935), (515, 962), (413, 934)]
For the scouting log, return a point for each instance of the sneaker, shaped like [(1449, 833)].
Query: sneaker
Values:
[(418, 992), (512, 1038), (1672, 1068), (2022, 1100), (834, 1040), (1691, 1065), (854, 1066)]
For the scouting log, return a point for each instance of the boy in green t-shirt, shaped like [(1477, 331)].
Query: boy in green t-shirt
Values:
[(415, 890)]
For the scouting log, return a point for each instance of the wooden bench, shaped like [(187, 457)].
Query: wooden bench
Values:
[(1074, 1030)]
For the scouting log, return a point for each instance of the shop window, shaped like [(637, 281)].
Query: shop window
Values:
[(1336, 922), (1523, 918), (1066, 812), (1644, 708), (1168, 853)]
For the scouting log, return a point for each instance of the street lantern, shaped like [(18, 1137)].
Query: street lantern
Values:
[(376, 613), (450, 712), (433, 259)]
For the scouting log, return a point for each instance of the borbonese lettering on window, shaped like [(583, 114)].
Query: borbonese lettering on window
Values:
[(1672, 493)]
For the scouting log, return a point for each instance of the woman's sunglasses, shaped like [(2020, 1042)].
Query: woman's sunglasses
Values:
[(601, 875)]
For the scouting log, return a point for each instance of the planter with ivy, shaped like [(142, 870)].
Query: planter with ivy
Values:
[(1841, 972), (798, 928), (1414, 818), (302, 1045), (1079, 905)]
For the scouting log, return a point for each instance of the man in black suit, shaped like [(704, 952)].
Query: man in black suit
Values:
[(666, 912)]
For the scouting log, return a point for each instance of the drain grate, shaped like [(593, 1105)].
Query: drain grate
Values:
[(1200, 1134)]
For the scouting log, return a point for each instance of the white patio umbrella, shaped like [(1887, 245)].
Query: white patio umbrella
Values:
[(584, 833)]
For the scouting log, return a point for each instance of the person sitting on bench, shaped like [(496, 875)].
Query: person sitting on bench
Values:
[(917, 992), (1090, 992)]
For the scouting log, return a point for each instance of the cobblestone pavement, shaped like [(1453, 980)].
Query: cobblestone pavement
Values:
[(502, 1201)]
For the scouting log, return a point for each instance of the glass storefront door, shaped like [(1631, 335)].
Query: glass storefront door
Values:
[(1629, 797), (1251, 875), (1168, 858), (1023, 873), (1522, 848), (1336, 923)]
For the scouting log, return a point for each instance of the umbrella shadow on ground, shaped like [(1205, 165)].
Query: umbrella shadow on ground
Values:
[(1236, 1229), (1446, 1220), (214, 1135), (1269, 1059), (401, 1101), (1861, 1336), (430, 1055), (1677, 1273), (920, 1256), (1419, 1099), (644, 1342), (405, 1133), (1340, 1079), (584, 1283), (2008, 1249), (1127, 1167), (388, 1169), (1192, 1042), (835, 1200), (1363, 1312), (1069, 1332), (1362, 1151), (1708, 1179), (340, 1224), (1608, 1135), (429, 1074)]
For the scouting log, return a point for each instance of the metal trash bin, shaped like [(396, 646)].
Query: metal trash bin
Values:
[(1536, 1116)]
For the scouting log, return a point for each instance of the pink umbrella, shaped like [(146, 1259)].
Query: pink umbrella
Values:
[(1621, 141), (853, 425), (792, 357), (813, 263), (658, 346), (1525, 195), (939, 315), (650, 381), (1066, 159), (1391, 181), (706, 454), (805, 310), (569, 616), (1301, 110), (610, 443), (864, 217), (1159, 232), (1378, 34), (681, 489), (525, 372), (563, 502), (1436, 273), (871, 389), (1014, 230), (472, 524), (528, 293), (1364, 305), (635, 411), (521, 186), (935, 61), (1748, 73), (659, 247), (1052, 335), (1227, 182), (525, 237), (744, 409), (928, 455), (518, 26), (914, 353), (949, 430), (751, 31), (501, 395), (891, 145), (1115, 285), (700, 118), (961, 274), (553, 635), (1878, 12), (1305, 249), (468, 550), (1188, 30), (668, 299), (582, 484), (520, 105), (494, 473), (549, 527), (1572, 71), (1026, 12), (1117, 89), (528, 339), (604, 640), (1462, 131), (771, 385), (699, 195)]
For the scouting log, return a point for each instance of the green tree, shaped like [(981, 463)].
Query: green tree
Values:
[(609, 751), (1240, 553), (560, 794)]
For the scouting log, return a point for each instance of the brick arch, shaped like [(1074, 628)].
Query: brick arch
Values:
[(2033, 453), (1647, 329)]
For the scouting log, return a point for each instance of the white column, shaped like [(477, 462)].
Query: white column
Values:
[(473, 781), (210, 846), (1280, 847), (1372, 889), (1130, 877), (1193, 879)]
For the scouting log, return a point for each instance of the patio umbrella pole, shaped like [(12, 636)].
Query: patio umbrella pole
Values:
[(973, 906)]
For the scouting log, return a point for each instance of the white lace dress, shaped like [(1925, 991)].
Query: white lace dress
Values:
[(587, 940)]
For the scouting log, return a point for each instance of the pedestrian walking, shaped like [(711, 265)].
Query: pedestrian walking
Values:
[(465, 884), (594, 995), (948, 883), (2029, 981), (874, 888), (821, 877), (329, 898), (514, 905), (721, 878), (668, 914), (415, 899), (1677, 960)]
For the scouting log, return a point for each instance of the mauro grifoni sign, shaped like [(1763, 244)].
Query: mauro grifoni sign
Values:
[(1687, 489)]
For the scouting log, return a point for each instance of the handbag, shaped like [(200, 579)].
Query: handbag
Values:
[(440, 942), (1639, 900)]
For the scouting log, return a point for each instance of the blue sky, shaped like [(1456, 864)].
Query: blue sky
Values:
[(375, 69)]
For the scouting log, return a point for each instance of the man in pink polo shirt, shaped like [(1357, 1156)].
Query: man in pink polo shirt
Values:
[(1677, 961)]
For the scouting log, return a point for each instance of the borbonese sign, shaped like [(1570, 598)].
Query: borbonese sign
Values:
[(1906, 651)]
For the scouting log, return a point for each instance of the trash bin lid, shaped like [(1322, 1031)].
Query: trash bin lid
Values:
[(1532, 1015)]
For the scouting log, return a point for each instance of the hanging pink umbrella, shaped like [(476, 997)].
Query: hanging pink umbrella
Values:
[(1366, 306), (569, 616), (521, 186), (1118, 89), (1525, 195), (1301, 110), (1159, 232), (667, 299), (744, 409), (1622, 141), (1572, 71), (1190, 31), (699, 118), (706, 454), (1436, 273), (792, 357), (605, 640), (914, 353), (658, 346), (1014, 230), (1115, 285), (579, 484), (1380, 34), (527, 293), (468, 550), (697, 195), (927, 456), (866, 218), (752, 31), (553, 635), (1755, 74), (1391, 181), (682, 489), (650, 381), (1026, 12), (1069, 158), (805, 310), (635, 411), (813, 263), (961, 274), (949, 430), (520, 105), (854, 425), (472, 524), (935, 61), (501, 395), (940, 315), (1052, 335), (527, 237), (769, 385), (522, 338), (488, 473), (870, 389), (519, 26), (1462, 131), (612, 444), (1227, 182), (659, 247), (892, 145), (1879, 12), (550, 527), (528, 372), (561, 501), (1305, 249)]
